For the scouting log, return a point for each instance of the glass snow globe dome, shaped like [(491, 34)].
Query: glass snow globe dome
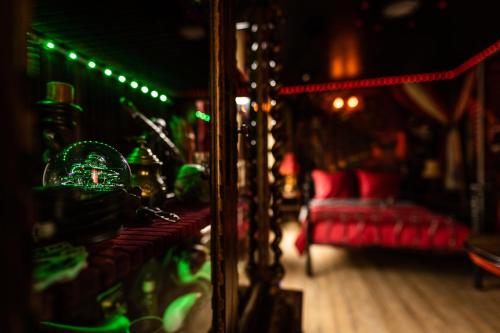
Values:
[(89, 165)]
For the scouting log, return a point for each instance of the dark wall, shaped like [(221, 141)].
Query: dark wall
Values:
[(15, 147), (103, 118)]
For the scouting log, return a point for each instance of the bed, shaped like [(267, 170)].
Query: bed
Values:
[(372, 222)]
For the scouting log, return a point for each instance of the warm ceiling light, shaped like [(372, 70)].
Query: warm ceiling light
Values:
[(352, 102), (400, 8), (338, 103)]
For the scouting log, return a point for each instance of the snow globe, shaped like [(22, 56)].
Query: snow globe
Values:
[(88, 165)]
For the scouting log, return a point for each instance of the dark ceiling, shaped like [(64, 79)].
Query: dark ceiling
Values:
[(327, 40), (161, 42), (331, 40)]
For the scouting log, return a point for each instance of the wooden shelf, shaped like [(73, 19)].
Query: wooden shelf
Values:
[(112, 261)]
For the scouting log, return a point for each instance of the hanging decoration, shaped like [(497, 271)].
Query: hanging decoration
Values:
[(94, 65), (266, 124), (251, 172), (277, 132)]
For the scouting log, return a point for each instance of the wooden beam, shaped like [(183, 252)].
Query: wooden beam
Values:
[(223, 165), (16, 147)]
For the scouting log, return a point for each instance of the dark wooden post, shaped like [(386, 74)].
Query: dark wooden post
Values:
[(223, 165), (16, 142), (478, 188)]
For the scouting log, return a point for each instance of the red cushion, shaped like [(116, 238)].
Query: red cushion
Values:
[(333, 184), (378, 185)]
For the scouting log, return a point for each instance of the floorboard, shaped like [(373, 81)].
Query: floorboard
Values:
[(389, 291)]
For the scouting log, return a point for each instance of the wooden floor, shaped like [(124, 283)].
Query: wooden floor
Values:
[(389, 291)]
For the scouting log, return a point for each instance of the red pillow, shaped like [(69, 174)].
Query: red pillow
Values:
[(333, 184), (378, 185)]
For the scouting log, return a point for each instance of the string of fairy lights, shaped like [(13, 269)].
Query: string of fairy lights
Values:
[(98, 66), (202, 115)]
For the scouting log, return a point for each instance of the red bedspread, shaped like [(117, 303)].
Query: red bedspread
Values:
[(360, 223)]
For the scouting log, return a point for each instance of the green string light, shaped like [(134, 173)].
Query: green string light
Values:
[(91, 64), (202, 116)]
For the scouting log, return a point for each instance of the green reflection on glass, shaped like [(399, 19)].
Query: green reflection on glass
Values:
[(176, 312), (116, 324)]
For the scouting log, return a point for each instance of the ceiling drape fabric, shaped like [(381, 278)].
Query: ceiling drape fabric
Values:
[(429, 104)]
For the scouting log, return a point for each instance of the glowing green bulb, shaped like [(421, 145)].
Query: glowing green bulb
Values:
[(163, 98), (72, 56), (134, 84), (145, 89), (154, 94), (108, 72), (50, 45), (202, 116), (91, 64), (122, 78)]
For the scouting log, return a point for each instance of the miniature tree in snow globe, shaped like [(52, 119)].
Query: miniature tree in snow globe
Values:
[(89, 165)]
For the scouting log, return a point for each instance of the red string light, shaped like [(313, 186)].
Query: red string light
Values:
[(374, 82), (394, 80)]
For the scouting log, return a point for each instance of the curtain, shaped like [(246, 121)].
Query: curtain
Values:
[(424, 100)]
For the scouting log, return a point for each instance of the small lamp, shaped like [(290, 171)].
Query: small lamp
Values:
[(432, 169), (289, 168)]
